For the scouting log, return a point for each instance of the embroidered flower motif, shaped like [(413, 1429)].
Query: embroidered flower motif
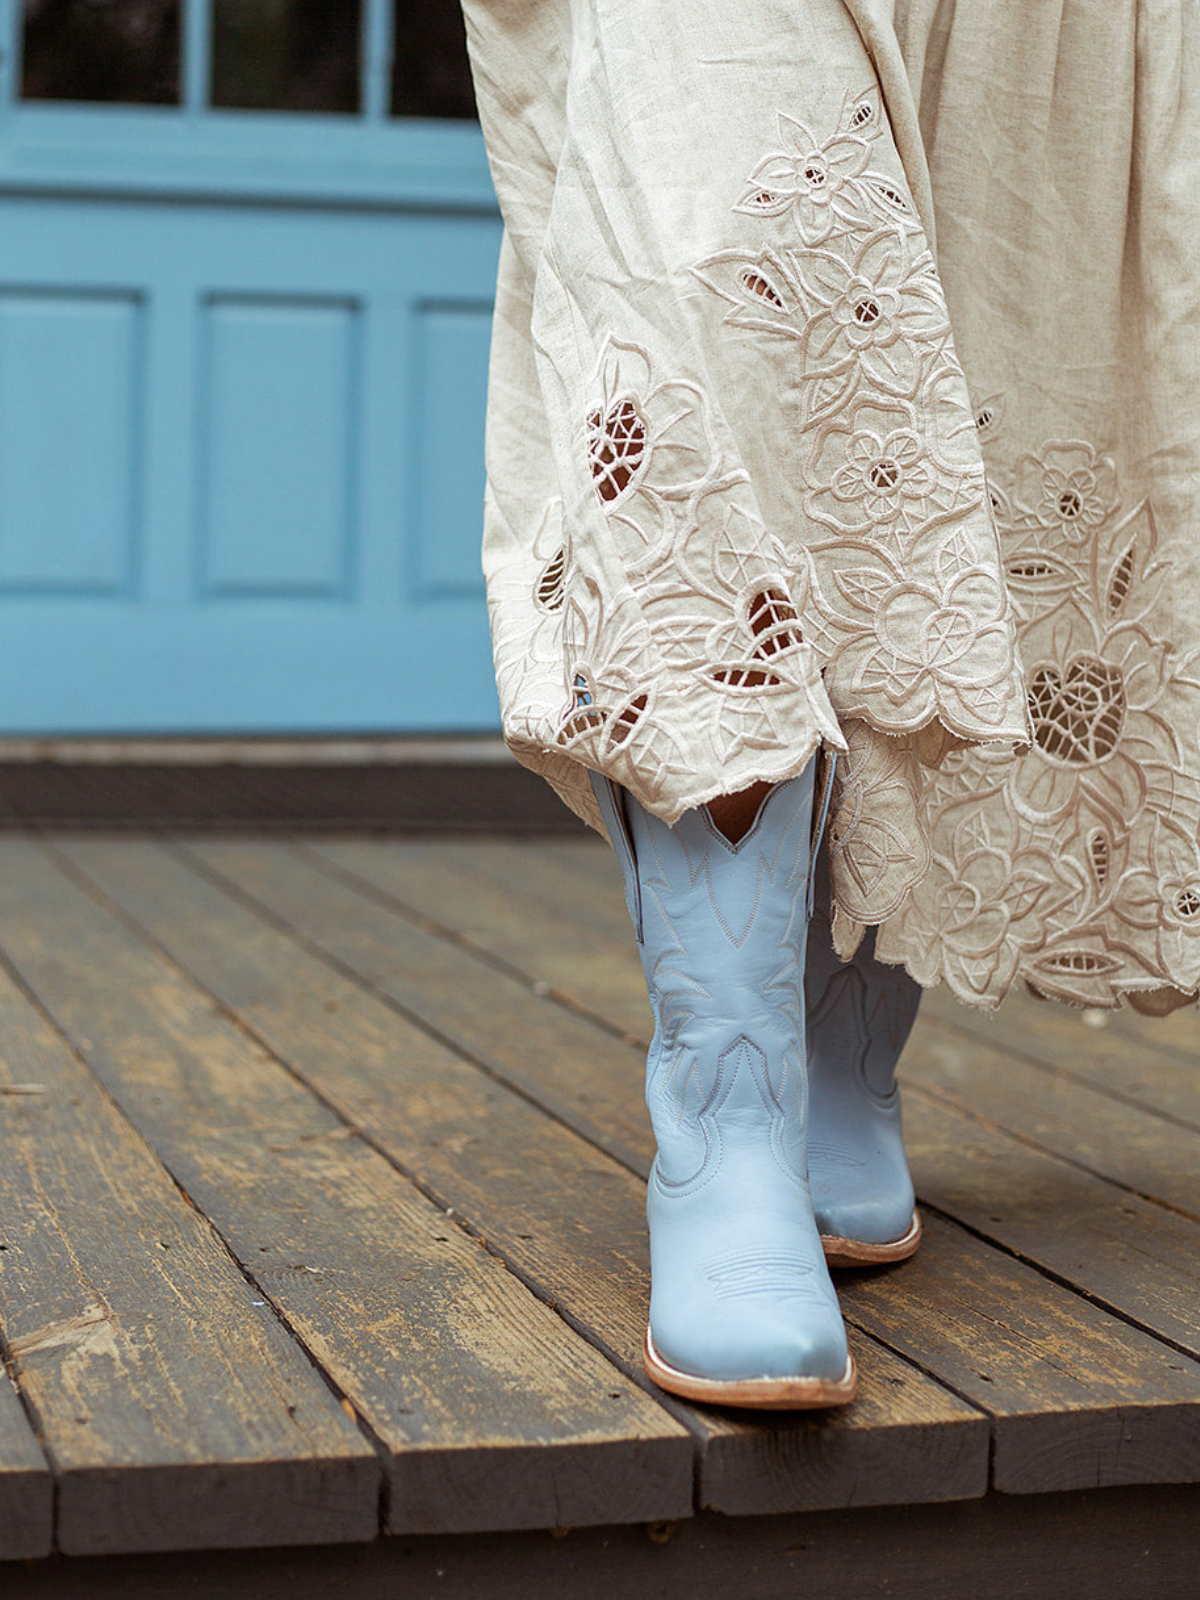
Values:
[(1074, 861), (879, 473), (1068, 489), (982, 910), (642, 433), (878, 470), (904, 652), (879, 312), (1097, 727), (1159, 895), (814, 179), (1094, 808), (873, 316)]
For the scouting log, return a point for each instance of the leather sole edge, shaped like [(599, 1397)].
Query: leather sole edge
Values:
[(841, 1252), (762, 1394)]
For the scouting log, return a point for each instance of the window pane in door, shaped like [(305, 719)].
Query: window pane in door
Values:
[(120, 50), (430, 73), (286, 55)]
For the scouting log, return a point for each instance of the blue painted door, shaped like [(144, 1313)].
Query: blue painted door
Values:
[(242, 372)]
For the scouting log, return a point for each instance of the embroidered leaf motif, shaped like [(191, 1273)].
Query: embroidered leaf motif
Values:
[(1036, 573), (1021, 893), (757, 287), (1083, 963), (864, 587), (757, 201), (990, 414), (774, 622), (890, 193), (1099, 849), (744, 675), (550, 587), (624, 721), (1119, 581), (871, 852)]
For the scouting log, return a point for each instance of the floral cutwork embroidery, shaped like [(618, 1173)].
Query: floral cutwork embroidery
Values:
[(1087, 846), (1077, 710), (713, 588), (906, 600), (825, 183)]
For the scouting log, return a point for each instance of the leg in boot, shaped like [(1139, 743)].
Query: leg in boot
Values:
[(860, 1014), (742, 1310)]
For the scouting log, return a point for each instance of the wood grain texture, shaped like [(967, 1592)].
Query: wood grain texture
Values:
[(557, 929), (1135, 1257), (1153, 1276), (1141, 1150), (1140, 1259), (1110, 1244), (1144, 1061), (490, 1411), (1078, 1398), (26, 1485), (564, 1214), (480, 1012), (175, 1411)]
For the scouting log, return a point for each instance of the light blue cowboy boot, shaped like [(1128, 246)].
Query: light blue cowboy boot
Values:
[(742, 1308), (860, 1013)]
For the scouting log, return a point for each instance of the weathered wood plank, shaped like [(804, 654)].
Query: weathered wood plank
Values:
[(496, 898), (1153, 1155), (26, 1486), (1133, 1256), (561, 1211), (175, 1410), (558, 916), (1111, 1245), (581, 947), (1156, 1280), (492, 1413), (480, 1012), (1125, 1055), (1079, 1399)]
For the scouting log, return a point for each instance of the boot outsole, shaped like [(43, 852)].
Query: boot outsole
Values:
[(762, 1394), (858, 1253)]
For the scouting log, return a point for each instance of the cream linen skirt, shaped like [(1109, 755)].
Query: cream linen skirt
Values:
[(844, 393)]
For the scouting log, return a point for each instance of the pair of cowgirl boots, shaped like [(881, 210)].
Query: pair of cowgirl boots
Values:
[(742, 1309), (860, 1014)]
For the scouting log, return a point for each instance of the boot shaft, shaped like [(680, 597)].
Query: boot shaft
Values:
[(722, 940)]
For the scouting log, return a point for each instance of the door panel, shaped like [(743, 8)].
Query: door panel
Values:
[(70, 423), (278, 430)]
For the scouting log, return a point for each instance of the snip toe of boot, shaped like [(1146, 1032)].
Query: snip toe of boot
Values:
[(796, 1392)]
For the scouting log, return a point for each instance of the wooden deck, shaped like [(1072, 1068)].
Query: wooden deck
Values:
[(321, 1220)]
